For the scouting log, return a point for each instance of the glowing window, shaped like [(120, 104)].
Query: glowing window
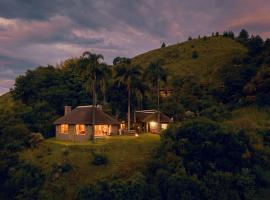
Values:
[(101, 130), (64, 128), (164, 126), (80, 129)]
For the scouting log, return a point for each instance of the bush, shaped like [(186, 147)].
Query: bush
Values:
[(58, 168), (65, 152), (134, 188), (24, 182), (202, 159), (99, 159), (195, 55), (35, 140), (216, 112), (66, 167)]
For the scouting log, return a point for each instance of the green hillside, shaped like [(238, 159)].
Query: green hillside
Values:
[(126, 156), (6, 101), (213, 53)]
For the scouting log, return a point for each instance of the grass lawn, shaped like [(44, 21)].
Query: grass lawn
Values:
[(126, 155)]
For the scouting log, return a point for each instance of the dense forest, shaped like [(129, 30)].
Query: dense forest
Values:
[(208, 153)]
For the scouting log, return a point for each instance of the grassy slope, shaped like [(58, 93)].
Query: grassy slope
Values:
[(126, 154), (213, 52), (251, 118), (6, 101)]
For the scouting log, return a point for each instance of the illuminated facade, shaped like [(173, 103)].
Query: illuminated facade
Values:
[(147, 121), (78, 124)]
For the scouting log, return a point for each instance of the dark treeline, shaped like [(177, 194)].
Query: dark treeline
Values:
[(202, 159)]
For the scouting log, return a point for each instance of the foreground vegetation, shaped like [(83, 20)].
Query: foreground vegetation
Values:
[(127, 155), (201, 159)]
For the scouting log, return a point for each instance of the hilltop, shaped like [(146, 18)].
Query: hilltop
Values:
[(212, 54)]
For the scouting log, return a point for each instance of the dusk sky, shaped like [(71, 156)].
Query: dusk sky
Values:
[(41, 32)]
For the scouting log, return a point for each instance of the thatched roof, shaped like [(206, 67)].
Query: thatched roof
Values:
[(83, 115), (151, 115)]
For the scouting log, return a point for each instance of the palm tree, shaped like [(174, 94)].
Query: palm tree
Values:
[(103, 74), (91, 63), (128, 75), (141, 89), (155, 73)]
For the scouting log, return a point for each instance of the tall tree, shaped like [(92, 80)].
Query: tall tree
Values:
[(243, 35), (103, 75), (141, 89), (128, 75), (155, 73), (91, 63)]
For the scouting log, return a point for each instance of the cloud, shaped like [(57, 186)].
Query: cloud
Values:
[(10, 67), (36, 33), (5, 85)]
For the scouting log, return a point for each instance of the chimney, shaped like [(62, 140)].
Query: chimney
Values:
[(67, 109)]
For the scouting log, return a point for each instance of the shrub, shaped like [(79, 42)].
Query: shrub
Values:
[(24, 182), (163, 45), (35, 140), (195, 55), (134, 188), (66, 167), (216, 112), (65, 152), (99, 159), (58, 168), (202, 159)]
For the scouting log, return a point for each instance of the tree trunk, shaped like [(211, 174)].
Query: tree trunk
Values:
[(94, 110), (141, 101), (128, 109), (104, 92), (158, 114)]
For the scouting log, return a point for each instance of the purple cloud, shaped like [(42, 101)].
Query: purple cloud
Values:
[(36, 33)]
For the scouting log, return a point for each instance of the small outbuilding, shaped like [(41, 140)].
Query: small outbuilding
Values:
[(147, 120), (78, 124)]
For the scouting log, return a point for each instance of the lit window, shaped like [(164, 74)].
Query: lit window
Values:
[(101, 130), (164, 126), (80, 129), (64, 128)]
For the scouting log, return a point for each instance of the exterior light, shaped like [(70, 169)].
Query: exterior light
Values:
[(153, 124)]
